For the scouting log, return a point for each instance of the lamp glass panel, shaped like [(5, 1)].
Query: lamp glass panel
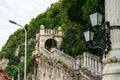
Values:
[(93, 19), (96, 19), (89, 35), (86, 35), (99, 19)]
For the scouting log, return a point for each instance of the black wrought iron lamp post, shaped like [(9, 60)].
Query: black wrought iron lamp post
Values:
[(103, 34)]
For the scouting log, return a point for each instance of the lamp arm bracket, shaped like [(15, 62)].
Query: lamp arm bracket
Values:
[(104, 43)]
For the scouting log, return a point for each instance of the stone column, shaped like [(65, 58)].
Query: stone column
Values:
[(111, 70)]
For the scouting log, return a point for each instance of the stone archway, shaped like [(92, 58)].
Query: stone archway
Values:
[(44, 38), (50, 43)]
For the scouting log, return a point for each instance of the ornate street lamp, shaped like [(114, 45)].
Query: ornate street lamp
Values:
[(103, 34)]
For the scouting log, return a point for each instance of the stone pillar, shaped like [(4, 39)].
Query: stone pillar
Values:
[(111, 70), (41, 35), (42, 29), (60, 34)]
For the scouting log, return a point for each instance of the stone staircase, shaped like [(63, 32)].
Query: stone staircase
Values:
[(74, 74), (64, 67), (83, 67)]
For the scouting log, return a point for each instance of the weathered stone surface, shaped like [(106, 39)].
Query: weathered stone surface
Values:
[(54, 64)]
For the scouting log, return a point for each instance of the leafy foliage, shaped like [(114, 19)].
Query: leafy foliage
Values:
[(71, 15)]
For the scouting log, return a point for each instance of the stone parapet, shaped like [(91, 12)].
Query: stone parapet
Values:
[(59, 56), (86, 61), (44, 31)]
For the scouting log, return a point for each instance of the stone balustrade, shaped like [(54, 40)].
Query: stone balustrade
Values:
[(46, 32), (66, 59), (90, 62), (86, 61), (50, 31), (45, 53), (58, 55)]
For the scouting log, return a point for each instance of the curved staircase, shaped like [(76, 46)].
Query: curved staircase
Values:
[(83, 67)]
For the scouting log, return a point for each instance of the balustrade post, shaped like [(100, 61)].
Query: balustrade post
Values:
[(84, 60), (88, 65), (96, 66), (100, 68), (92, 65)]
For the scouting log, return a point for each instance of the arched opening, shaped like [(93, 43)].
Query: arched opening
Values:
[(50, 43)]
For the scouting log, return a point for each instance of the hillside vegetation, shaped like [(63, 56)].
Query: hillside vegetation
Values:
[(71, 15)]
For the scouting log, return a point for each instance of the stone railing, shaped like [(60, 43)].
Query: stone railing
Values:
[(50, 31), (46, 53), (59, 56), (66, 59), (89, 62), (44, 31), (86, 61)]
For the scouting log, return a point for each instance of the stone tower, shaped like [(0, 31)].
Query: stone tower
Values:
[(47, 36), (112, 61)]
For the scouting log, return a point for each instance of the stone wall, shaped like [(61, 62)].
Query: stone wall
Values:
[(49, 70), (59, 56)]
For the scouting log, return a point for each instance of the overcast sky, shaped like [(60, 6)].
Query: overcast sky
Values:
[(20, 11)]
